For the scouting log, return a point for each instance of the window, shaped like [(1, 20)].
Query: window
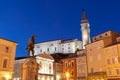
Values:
[(118, 71), (91, 70), (94, 38), (108, 61), (55, 48), (100, 36), (105, 34), (49, 68), (7, 49), (66, 64), (90, 49), (72, 64), (51, 45), (113, 60), (116, 60), (115, 51), (72, 72), (68, 47), (109, 72), (5, 63), (41, 50)]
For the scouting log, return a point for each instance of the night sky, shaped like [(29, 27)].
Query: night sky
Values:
[(55, 19)]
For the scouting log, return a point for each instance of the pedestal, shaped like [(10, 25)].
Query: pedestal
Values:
[(30, 69)]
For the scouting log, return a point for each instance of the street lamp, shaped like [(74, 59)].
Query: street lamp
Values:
[(7, 76), (67, 75)]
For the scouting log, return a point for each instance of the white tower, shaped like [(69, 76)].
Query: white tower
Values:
[(85, 29)]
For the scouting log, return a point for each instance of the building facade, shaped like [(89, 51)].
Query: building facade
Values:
[(58, 71), (45, 71), (112, 60), (81, 65), (7, 57), (58, 46), (96, 56), (69, 68)]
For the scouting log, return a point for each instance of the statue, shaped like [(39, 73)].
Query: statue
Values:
[(30, 46)]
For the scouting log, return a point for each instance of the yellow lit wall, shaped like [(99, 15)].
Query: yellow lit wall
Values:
[(112, 60), (7, 57), (96, 60), (69, 69)]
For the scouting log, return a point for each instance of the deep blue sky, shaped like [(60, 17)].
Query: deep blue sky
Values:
[(54, 19)]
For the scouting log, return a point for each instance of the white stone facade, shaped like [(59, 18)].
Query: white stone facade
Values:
[(85, 29), (45, 71), (58, 46)]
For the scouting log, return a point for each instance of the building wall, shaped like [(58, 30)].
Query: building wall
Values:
[(47, 47), (7, 57), (58, 71), (112, 60), (69, 69), (96, 56), (45, 71), (58, 46), (81, 67)]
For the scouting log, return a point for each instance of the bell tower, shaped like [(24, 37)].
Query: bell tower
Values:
[(85, 29)]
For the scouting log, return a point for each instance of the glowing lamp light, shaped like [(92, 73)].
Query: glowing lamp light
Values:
[(7, 76), (67, 74), (58, 76)]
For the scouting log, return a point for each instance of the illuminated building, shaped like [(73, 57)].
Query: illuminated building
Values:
[(81, 65), (58, 70), (96, 64), (70, 67), (85, 29), (58, 46), (112, 60), (58, 65), (46, 67), (7, 57), (45, 71)]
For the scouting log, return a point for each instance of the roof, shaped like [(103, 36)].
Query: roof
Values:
[(71, 55), (8, 40), (45, 55), (59, 56), (84, 17), (57, 40)]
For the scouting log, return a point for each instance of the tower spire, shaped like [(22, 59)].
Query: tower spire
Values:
[(85, 29), (84, 17)]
